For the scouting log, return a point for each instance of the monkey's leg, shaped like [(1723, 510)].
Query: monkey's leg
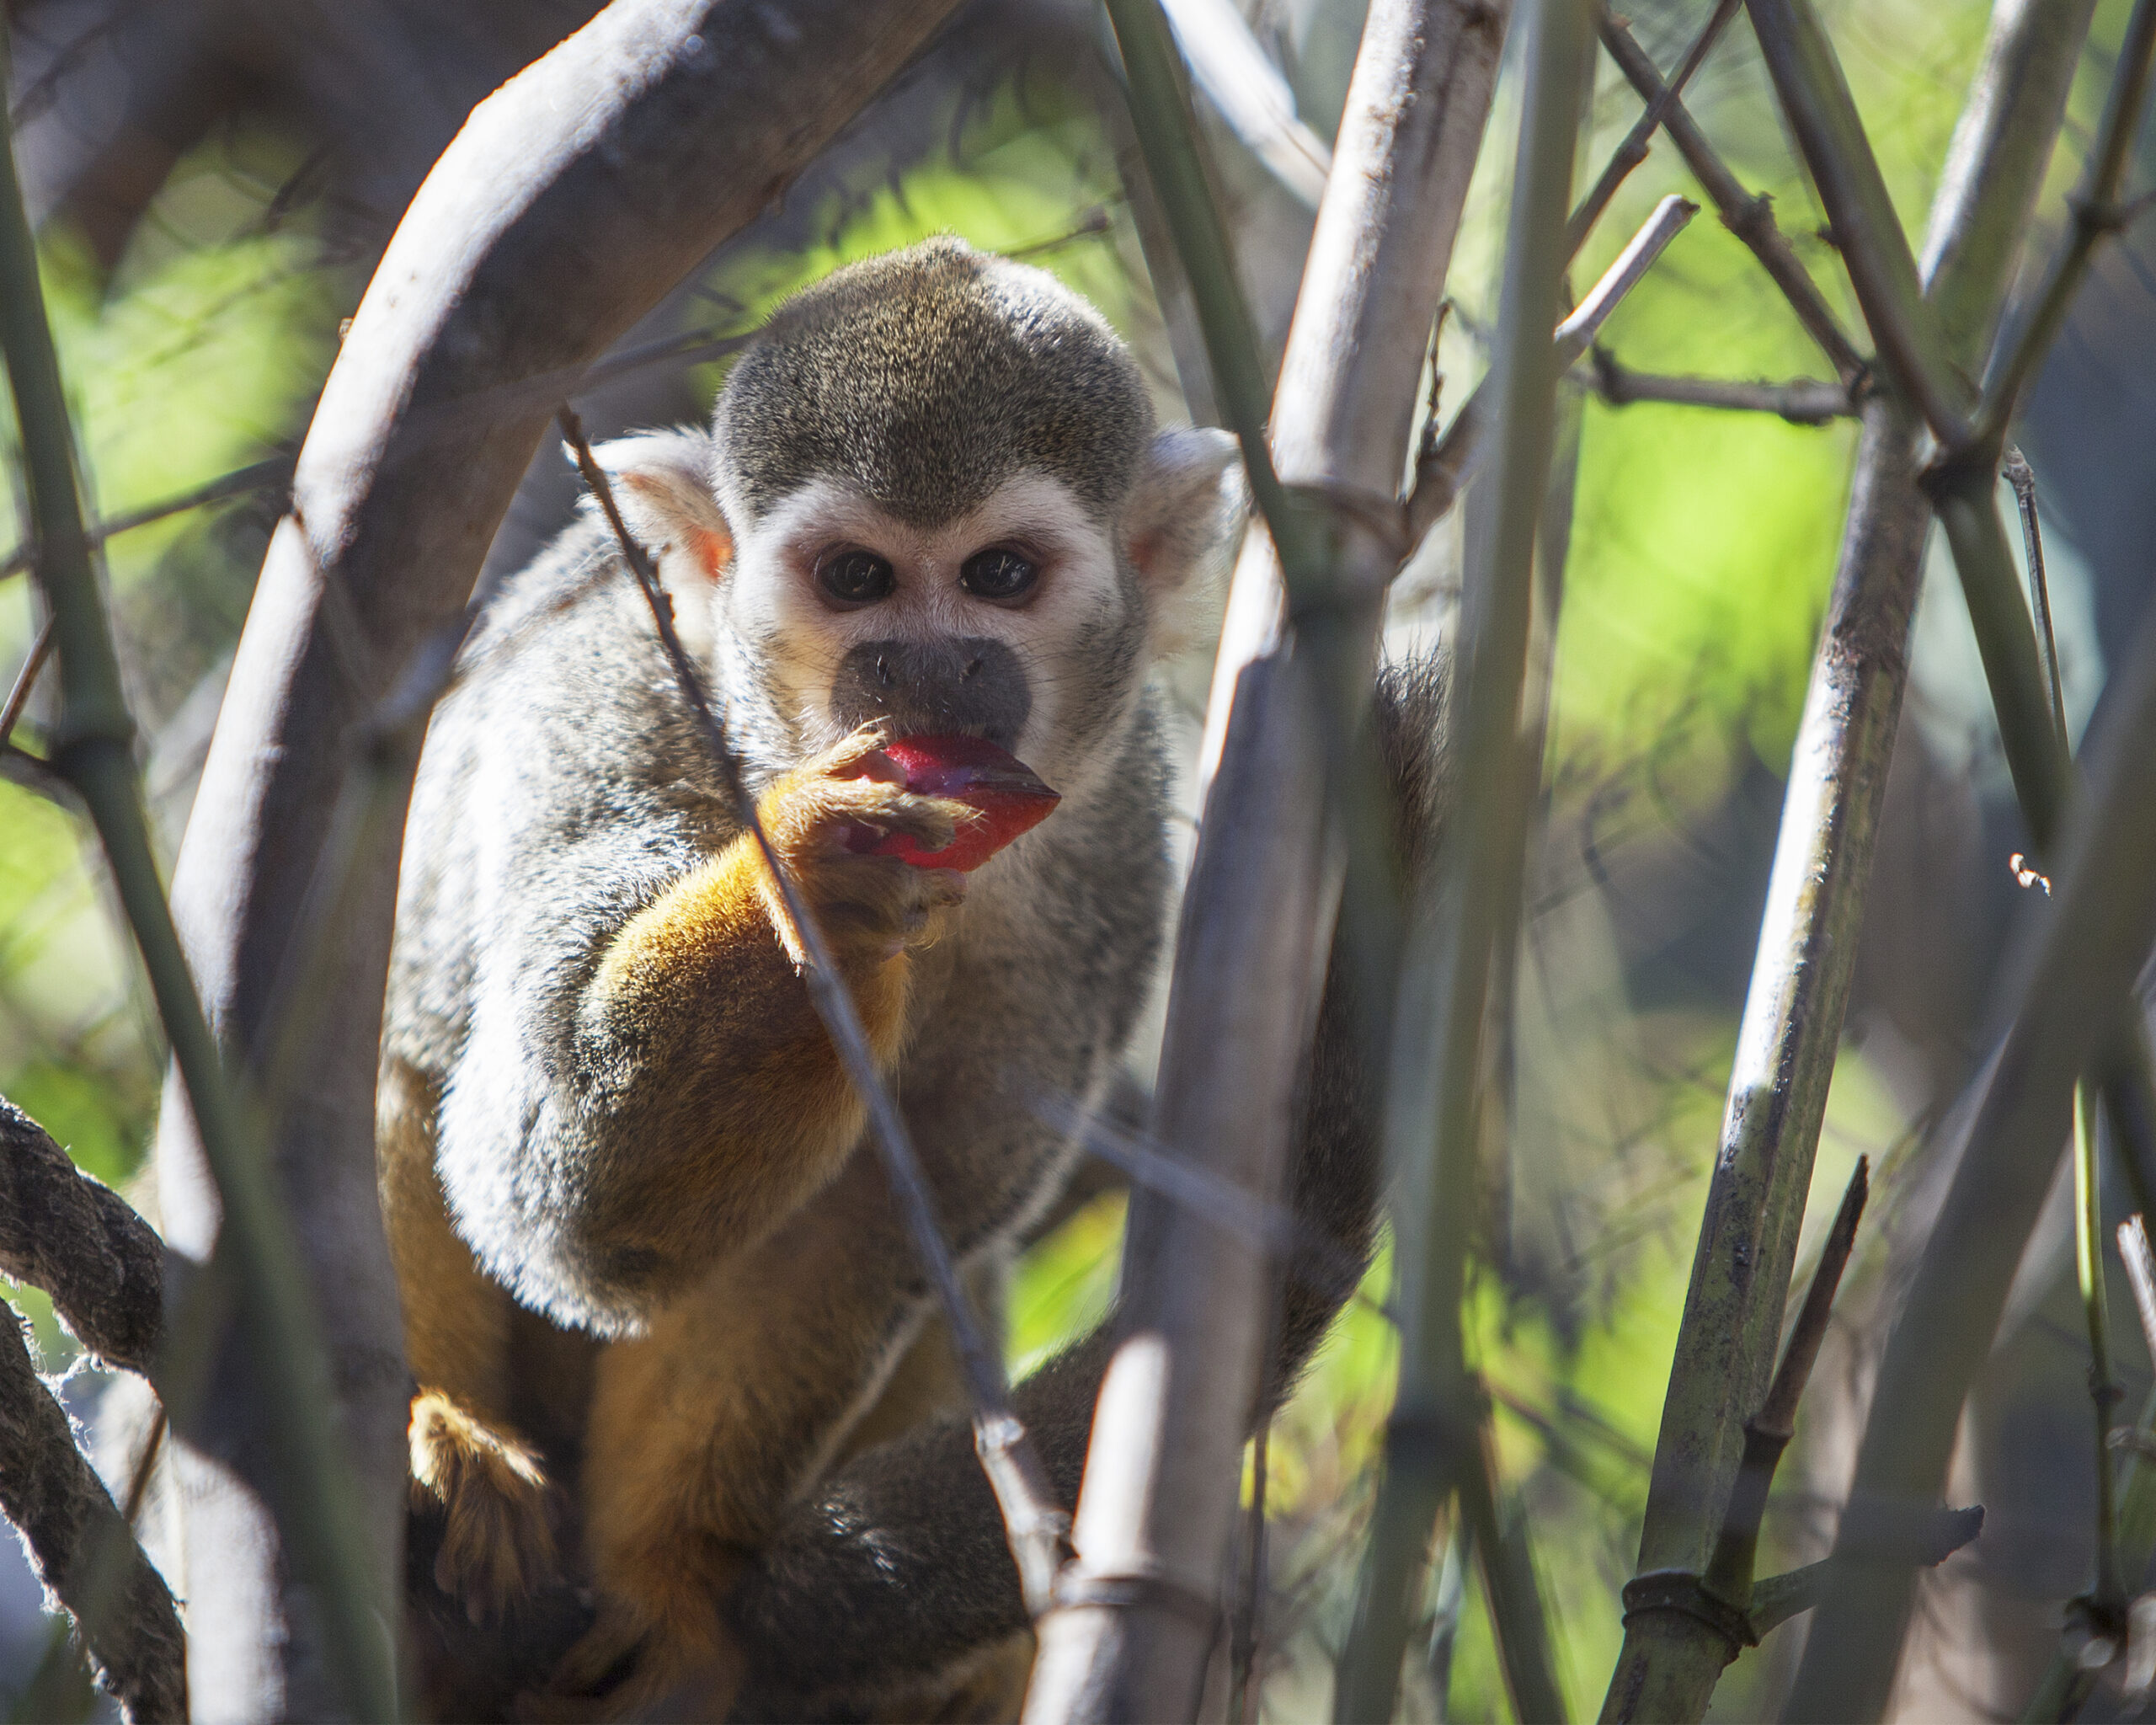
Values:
[(468, 1465), (704, 1428)]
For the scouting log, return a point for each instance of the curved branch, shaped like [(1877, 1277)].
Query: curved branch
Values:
[(576, 197), (71, 1532), (83, 1243)]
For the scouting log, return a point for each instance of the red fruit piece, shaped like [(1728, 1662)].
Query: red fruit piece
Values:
[(1007, 795)]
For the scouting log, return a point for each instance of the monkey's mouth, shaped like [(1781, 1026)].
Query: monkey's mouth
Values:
[(1007, 797)]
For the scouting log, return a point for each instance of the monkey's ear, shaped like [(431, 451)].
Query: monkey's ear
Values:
[(662, 486), (1181, 508)]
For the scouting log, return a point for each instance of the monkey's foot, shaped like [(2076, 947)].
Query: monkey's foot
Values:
[(498, 1543), (665, 1644)]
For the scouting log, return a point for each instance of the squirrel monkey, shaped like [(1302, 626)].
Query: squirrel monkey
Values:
[(932, 500)]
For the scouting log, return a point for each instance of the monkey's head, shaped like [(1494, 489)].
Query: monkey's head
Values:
[(932, 493)]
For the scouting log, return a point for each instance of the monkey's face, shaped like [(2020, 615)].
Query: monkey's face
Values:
[(932, 495), (1028, 619)]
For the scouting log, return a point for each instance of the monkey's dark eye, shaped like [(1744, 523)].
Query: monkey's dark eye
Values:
[(857, 577), (998, 573)]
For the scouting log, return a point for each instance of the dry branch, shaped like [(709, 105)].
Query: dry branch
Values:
[(1806, 401), (82, 1242), (67, 1523), (1751, 218), (1158, 1507), (573, 200)]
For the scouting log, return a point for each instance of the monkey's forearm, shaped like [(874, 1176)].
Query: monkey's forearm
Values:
[(712, 1095)]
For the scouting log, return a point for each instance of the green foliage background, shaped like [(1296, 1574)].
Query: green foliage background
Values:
[(1701, 548)]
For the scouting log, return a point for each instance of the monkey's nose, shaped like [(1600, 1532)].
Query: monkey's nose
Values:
[(977, 687)]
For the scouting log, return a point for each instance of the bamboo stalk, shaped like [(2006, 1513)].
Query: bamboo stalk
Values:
[(92, 750), (2066, 980), (1815, 97), (2096, 212), (1436, 1068), (1135, 1619), (1793, 1014)]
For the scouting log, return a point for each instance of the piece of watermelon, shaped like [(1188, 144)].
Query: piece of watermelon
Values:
[(1008, 795)]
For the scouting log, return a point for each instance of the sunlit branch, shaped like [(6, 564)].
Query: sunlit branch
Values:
[(1804, 401), (1750, 217), (1633, 151)]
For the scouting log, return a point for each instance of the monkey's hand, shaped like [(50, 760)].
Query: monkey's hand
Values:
[(816, 816), (498, 1542)]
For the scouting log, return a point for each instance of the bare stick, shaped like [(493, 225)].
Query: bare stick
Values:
[(1435, 1439), (275, 474), (1633, 151), (1443, 468), (1036, 1527), (1751, 218), (1136, 1613), (1805, 401), (1729, 1575), (83, 1243), (19, 697), (59, 1506)]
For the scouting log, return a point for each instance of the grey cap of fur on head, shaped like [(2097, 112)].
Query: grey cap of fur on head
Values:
[(928, 376)]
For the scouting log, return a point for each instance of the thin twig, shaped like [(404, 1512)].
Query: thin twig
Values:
[(1729, 1572), (1036, 1527), (275, 474), (1633, 151), (19, 697), (1803, 400), (1750, 217), (2097, 212), (1444, 466), (2014, 469)]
